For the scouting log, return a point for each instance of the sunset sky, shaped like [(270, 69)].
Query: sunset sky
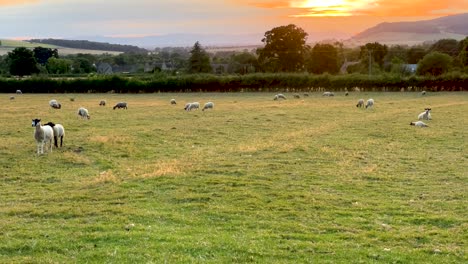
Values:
[(75, 18)]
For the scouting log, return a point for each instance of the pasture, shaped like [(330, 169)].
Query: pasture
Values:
[(309, 180)]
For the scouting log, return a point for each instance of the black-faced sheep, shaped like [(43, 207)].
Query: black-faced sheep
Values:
[(297, 96), (102, 103), (208, 105), (191, 106), (360, 103), (279, 96), (59, 132), (120, 105), (370, 103), (19, 92), (42, 135), (328, 94), (173, 102), (426, 115), (54, 104), (83, 113), (419, 124)]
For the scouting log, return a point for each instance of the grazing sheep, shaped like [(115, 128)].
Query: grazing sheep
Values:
[(120, 105), (83, 113), (297, 96), (102, 103), (423, 93), (346, 93), (370, 103), (19, 92), (279, 96), (208, 105), (360, 103), (12, 98), (328, 94), (426, 115), (173, 102), (419, 124), (42, 135), (54, 104), (191, 106), (59, 131)]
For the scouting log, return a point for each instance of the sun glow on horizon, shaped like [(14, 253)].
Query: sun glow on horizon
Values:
[(318, 8)]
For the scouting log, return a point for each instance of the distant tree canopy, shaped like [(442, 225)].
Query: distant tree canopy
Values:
[(58, 66), (285, 49), (376, 50), (43, 54), (434, 63), (199, 61), (447, 46), (463, 56), (21, 62), (415, 54), (90, 45), (323, 58)]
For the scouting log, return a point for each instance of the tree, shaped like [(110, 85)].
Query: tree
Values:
[(21, 62), (323, 58), (415, 54), (199, 61), (434, 63), (243, 63), (447, 46), (463, 55), (43, 54), (377, 52), (58, 66), (284, 50)]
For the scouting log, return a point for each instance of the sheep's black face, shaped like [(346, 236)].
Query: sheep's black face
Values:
[(35, 121)]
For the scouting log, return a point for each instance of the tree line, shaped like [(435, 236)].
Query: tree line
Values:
[(90, 45)]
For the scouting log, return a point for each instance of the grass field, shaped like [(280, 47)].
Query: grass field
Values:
[(310, 180)]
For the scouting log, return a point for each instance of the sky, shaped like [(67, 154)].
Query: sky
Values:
[(25, 19)]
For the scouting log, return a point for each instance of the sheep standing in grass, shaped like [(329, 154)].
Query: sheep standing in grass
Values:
[(191, 106), (12, 98), (279, 96), (208, 105), (328, 94), (423, 93), (59, 132), (370, 103), (173, 102), (120, 105), (297, 96), (306, 95), (426, 115), (54, 104), (346, 93), (360, 103), (102, 103), (83, 113), (419, 124), (19, 92), (42, 135)]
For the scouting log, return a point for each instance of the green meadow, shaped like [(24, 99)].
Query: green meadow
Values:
[(309, 180)]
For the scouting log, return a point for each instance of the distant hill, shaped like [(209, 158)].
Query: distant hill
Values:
[(89, 45), (455, 26)]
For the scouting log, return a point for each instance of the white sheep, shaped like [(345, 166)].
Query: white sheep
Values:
[(42, 135), (208, 105), (423, 93), (173, 102), (328, 94), (54, 104), (12, 98), (426, 115), (191, 106), (83, 113), (346, 93), (121, 105), (59, 132), (360, 103), (279, 96), (102, 103), (19, 92), (297, 96), (419, 124), (370, 103)]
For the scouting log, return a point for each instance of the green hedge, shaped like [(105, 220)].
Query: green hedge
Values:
[(233, 83)]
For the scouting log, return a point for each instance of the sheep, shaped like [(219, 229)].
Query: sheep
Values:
[(346, 93), (208, 105), (102, 103), (419, 124), (306, 95), (297, 96), (19, 92), (279, 96), (173, 102), (426, 115), (190, 106), (59, 131), (12, 98), (54, 104), (120, 105), (370, 103), (360, 103), (42, 134), (423, 93), (328, 94), (83, 113)]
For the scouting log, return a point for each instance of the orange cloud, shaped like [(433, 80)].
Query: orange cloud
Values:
[(418, 8), (16, 2)]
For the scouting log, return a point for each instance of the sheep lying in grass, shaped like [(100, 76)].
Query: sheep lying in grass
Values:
[(59, 132), (370, 103), (306, 95), (54, 104), (419, 124), (102, 103), (279, 96), (426, 115), (297, 96), (19, 92), (42, 135), (208, 105), (346, 93), (191, 106), (173, 102), (328, 94), (120, 105), (83, 113), (360, 103), (12, 98), (423, 93)]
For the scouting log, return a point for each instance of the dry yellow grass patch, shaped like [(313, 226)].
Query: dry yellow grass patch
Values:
[(161, 168), (76, 158), (105, 177), (119, 139)]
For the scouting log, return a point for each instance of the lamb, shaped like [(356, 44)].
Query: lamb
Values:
[(426, 115), (423, 93), (208, 105), (54, 104), (59, 131), (102, 103), (120, 105), (297, 96), (83, 113), (306, 95), (419, 124), (279, 96), (190, 106), (370, 103), (360, 103), (346, 93), (42, 134), (173, 102), (19, 92), (328, 94), (12, 98)]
